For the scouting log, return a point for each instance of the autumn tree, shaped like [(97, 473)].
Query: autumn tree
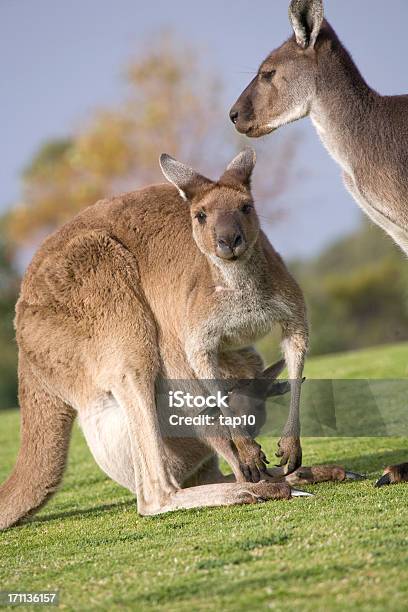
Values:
[(173, 105)]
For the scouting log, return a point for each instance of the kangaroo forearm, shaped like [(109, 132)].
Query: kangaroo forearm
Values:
[(292, 426)]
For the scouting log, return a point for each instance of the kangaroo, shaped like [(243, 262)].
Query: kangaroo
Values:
[(366, 133), (136, 287), (393, 474)]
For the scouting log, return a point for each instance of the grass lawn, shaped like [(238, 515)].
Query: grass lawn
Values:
[(345, 548)]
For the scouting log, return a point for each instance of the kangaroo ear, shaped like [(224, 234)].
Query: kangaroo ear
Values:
[(273, 371), (306, 17), (187, 181), (272, 386), (266, 385), (241, 167)]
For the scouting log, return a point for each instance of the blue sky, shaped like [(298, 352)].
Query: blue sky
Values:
[(59, 60)]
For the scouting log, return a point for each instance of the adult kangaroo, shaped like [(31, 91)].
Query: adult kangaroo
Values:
[(144, 286), (366, 133)]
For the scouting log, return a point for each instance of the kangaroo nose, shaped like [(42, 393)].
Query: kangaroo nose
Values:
[(234, 115), (237, 241), (224, 244), (230, 246)]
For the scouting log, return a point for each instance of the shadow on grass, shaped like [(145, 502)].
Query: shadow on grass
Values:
[(372, 462), (83, 512)]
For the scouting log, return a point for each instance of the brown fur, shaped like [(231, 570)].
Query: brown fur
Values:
[(315, 474)]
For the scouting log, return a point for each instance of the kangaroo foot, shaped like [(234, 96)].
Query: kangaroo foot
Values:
[(393, 474), (321, 473), (264, 490), (226, 495)]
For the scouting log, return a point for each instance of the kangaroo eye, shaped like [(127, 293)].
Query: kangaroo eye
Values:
[(268, 76), (201, 217), (246, 209)]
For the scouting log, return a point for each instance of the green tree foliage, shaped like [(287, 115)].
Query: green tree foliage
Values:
[(357, 292), (9, 282)]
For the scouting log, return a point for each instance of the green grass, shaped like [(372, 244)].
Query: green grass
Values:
[(344, 548), (389, 361)]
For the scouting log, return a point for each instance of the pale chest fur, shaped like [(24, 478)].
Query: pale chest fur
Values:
[(247, 316), (334, 145), (246, 309)]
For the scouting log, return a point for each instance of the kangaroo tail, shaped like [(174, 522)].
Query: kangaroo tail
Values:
[(46, 424)]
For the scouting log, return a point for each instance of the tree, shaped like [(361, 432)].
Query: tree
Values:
[(173, 106), (9, 282), (357, 292)]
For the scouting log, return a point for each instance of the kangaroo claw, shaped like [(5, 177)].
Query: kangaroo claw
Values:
[(354, 476), (299, 493), (393, 474), (384, 480)]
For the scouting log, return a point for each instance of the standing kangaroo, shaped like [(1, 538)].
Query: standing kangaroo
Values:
[(137, 287), (366, 133)]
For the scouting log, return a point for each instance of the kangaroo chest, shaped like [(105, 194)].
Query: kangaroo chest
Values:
[(376, 209), (373, 210), (246, 313), (368, 191)]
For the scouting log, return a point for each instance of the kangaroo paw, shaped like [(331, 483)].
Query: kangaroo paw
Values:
[(252, 459), (289, 448)]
